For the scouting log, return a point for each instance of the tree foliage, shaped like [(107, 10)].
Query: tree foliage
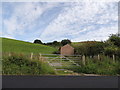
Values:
[(115, 40), (38, 41), (65, 41), (54, 43), (110, 50), (90, 49), (113, 46)]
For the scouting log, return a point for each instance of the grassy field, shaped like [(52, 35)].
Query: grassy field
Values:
[(11, 45), (22, 65)]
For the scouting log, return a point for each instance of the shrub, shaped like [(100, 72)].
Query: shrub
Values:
[(20, 65), (38, 41), (90, 49), (115, 39), (56, 52), (65, 41), (106, 66)]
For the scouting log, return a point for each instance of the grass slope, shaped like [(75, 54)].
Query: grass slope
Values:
[(16, 46)]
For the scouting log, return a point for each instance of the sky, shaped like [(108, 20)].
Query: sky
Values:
[(55, 21)]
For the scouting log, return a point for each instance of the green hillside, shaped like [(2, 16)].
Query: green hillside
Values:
[(16, 46)]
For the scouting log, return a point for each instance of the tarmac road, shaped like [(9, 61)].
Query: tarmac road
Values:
[(59, 81)]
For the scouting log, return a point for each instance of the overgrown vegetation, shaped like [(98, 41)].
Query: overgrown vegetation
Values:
[(106, 66), (91, 48), (20, 65)]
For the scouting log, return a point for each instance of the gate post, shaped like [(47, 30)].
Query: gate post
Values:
[(83, 59), (98, 57), (61, 56), (31, 56), (113, 58), (9, 54), (40, 57)]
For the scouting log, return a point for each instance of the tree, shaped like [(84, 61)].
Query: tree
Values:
[(115, 40), (90, 49), (37, 41), (65, 41), (56, 43), (109, 51)]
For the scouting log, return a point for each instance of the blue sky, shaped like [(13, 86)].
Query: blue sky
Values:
[(50, 21)]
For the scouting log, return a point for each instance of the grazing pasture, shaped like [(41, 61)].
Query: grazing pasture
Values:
[(18, 64), (93, 59), (16, 46)]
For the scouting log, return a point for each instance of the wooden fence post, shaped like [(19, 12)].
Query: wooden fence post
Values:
[(90, 56), (40, 57), (113, 58), (83, 59), (61, 56), (98, 57), (9, 54), (31, 56)]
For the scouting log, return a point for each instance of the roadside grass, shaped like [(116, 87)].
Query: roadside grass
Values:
[(106, 66), (64, 72), (20, 65)]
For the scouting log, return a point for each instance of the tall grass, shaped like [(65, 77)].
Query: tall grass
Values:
[(20, 65), (106, 66)]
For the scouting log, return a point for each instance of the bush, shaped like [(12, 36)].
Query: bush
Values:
[(115, 39), (65, 41), (90, 49), (38, 41), (110, 50), (104, 67), (54, 44), (56, 52), (20, 65)]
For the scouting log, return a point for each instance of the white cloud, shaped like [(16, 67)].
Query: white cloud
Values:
[(100, 34), (60, 0), (80, 17), (10, 25), (74, 19), (0, 17), (7, 36), (24, 17)]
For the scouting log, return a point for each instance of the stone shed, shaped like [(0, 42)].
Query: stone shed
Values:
[(67, 50)]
